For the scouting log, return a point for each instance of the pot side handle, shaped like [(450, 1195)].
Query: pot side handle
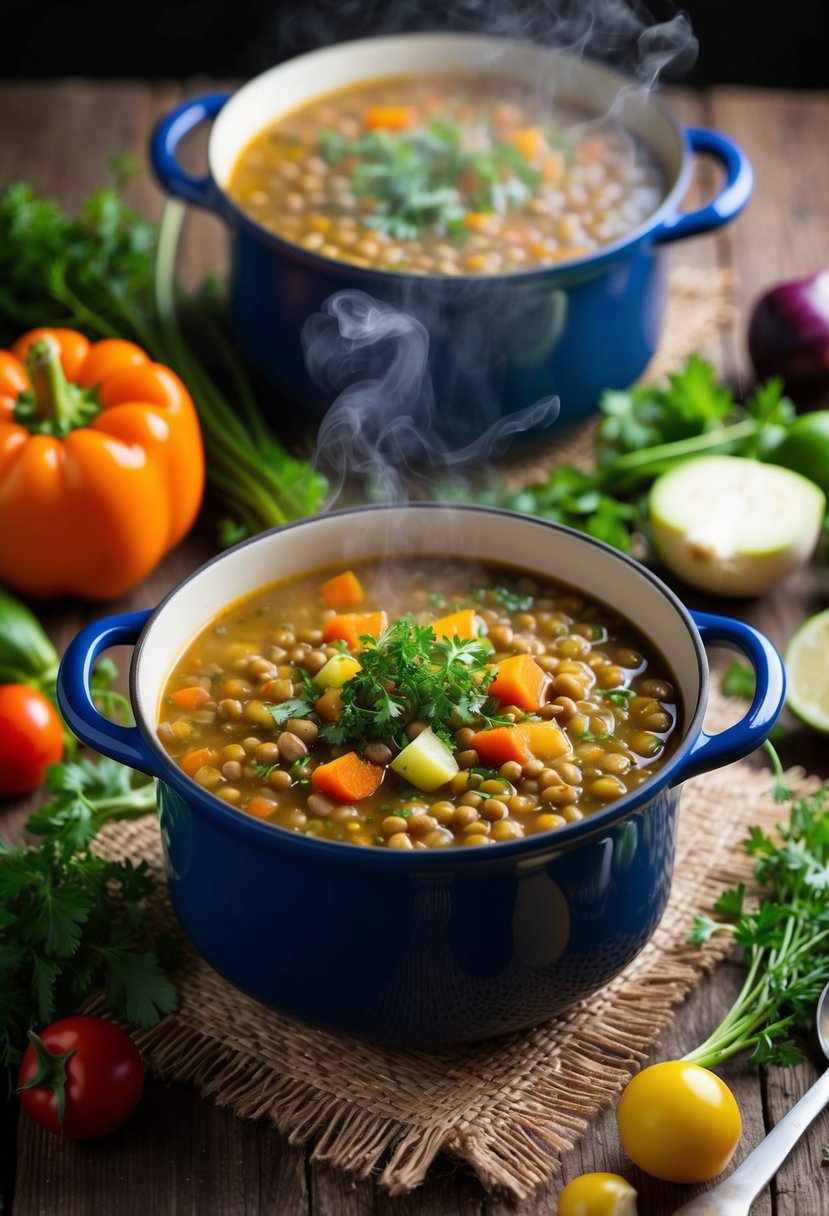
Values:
[(125, 744), (168, 134), (729, 200), (745, 736)]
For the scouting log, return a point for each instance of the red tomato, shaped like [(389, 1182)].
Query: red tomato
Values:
[(31, 738), (103, 1074)]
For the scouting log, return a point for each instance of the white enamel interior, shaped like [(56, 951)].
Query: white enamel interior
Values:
[(556, 74), (341, 538)]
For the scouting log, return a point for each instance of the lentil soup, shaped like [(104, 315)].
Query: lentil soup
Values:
[(419, 704), (447, 175)]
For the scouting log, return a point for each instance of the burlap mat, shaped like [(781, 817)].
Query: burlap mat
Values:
[(508, 1107)]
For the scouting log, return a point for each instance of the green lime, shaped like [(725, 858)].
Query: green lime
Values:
[(805, 448), (807, 672)]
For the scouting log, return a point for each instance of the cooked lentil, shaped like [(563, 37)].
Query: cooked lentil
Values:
[(441, 175), (607, 743)]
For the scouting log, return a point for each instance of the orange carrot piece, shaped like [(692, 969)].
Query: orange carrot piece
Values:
[(458, 624), (529, 141), (390, 118), (330, 705), (260, 807), (193, 761), (343, 591), (499, 744), (347, 779), (190, 698), (350, 626), (543, 740), (520, 681), (481, 221)]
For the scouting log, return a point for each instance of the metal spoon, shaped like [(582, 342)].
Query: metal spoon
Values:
[(735, 1196)]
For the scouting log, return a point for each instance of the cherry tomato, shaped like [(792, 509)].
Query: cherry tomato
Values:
[(597, 1195), (31, 738), (679, 1122), (99, 1068)]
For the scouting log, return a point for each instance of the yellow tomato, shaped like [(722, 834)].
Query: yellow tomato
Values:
[(597, 1195), (679, 1122)]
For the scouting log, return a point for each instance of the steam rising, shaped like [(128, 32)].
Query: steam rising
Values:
[(621, 32), (382, 426)]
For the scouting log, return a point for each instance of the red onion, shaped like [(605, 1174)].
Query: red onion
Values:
[(788, 336)]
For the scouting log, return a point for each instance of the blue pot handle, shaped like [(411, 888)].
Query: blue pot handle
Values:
[(713, 751), (167, 136), (727, 202), (125, 744)]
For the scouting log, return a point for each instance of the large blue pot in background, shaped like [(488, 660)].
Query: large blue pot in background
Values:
[(435, 945), (497, 344)]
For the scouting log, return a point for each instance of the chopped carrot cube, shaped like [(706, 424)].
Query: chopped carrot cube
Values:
[(458, 624), (480, 221), (499, 744), (529, 141), (351, 626), (343, 591), (260, 807), (520, 681), (348, 778), (390, 118), (190, 698), (330, 705), (193, 761), (543, 740), (553, 168)]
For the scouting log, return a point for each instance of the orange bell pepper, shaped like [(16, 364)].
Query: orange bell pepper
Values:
[(101, 464)]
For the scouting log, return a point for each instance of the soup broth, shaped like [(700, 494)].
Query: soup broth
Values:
[(420, 704), (447, 175)]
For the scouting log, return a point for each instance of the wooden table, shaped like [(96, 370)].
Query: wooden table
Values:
[(180, 1154)]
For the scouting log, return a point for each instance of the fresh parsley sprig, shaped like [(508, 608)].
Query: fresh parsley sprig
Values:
[(785, 939), (408, 673), (72, 922)]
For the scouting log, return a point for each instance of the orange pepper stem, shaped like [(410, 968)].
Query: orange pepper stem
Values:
[(56, 401)]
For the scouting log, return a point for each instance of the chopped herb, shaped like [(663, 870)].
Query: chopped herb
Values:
[(619, 696), (424, 177), (294, 707), (512, 601), (300, 770), (407, 672), (785, 939), (73, 922), (739, 680)]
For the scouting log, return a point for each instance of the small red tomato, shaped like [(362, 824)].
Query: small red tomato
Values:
[(31, 738), (81, 1078)]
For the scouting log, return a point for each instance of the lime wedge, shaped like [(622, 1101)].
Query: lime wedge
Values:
[(807, 672)]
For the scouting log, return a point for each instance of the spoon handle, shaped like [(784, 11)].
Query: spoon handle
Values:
[(735, 1196)]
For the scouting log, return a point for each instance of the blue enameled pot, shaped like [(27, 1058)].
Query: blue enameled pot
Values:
[(497, 344), (433, 945)]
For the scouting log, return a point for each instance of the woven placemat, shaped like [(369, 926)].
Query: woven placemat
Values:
[(511, 1106)]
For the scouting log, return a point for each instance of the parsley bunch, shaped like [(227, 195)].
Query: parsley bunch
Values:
[(70, 921), (785, 940), (644, 431)]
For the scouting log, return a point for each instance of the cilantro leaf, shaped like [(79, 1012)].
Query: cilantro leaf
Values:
[(294, 707), (137, 986)]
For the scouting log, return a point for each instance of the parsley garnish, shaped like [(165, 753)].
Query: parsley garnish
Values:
[(414, 177), (409, 673), (294, 707), (72, 922), (512, 600), (619, 696), (785, 940)]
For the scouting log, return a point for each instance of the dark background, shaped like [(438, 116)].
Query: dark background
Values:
[(740, 42)]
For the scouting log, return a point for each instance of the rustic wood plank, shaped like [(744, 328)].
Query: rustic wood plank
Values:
[(783, 231)]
